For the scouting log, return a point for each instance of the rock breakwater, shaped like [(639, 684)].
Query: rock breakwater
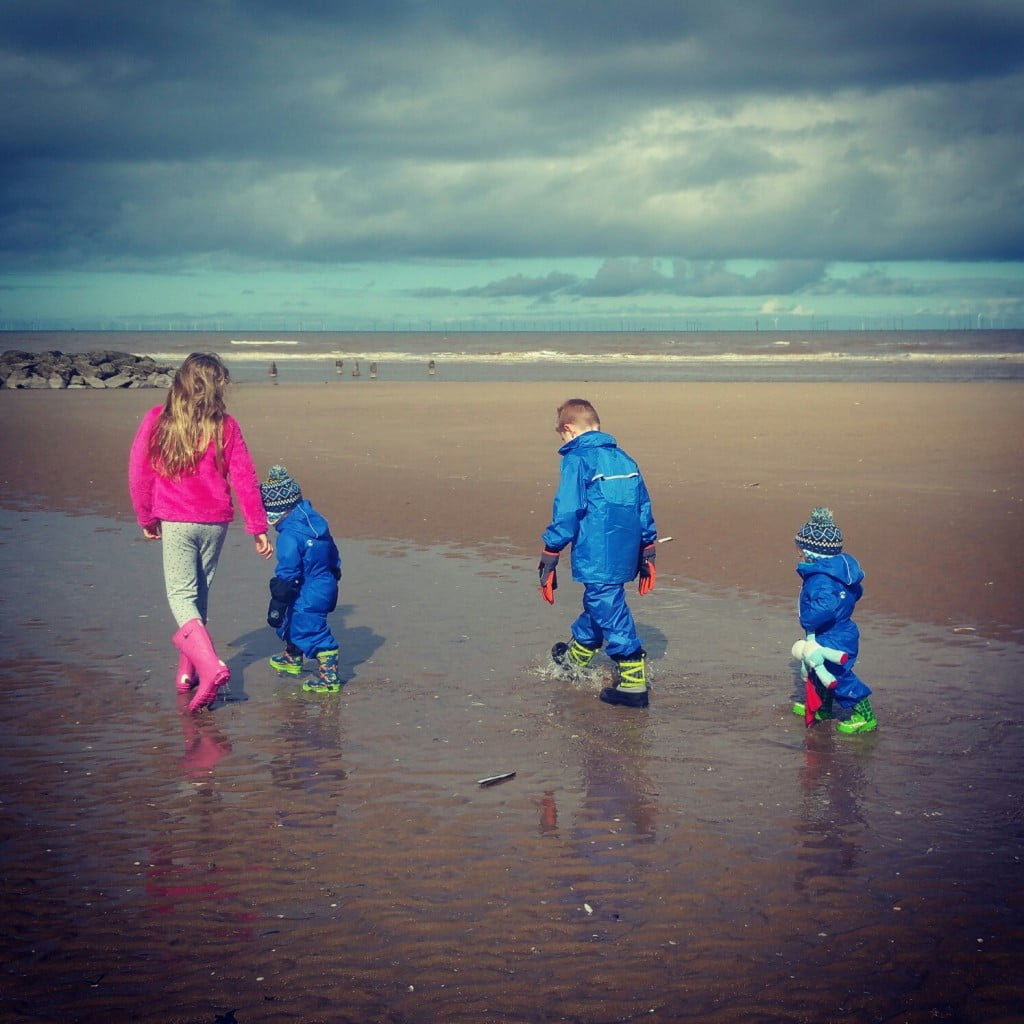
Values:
[(100, 369)]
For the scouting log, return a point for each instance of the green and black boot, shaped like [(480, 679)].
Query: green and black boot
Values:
[(631, 689), (327, 680), (824, 713), (289, 661), (862, 719), (573, 654)]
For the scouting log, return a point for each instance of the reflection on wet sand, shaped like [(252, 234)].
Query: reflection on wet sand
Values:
[(831, 824), (290, 856)]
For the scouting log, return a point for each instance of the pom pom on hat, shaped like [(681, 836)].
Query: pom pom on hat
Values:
[(820, 535), (280, 494)]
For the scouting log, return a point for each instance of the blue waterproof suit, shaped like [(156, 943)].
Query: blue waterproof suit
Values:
[(306, 577), (831, 588), (603, 509)]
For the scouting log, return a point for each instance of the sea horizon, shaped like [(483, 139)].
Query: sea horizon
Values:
[(306, 356)]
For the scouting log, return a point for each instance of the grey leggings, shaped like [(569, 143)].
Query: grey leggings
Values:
[(191, 551)]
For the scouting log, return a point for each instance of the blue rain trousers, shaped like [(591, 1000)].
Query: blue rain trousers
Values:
[(606, 619)]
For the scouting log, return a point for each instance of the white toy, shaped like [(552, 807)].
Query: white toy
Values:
[(813, 656)]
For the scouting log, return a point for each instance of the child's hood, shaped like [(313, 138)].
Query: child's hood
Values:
[(305, 521), (844, 568)]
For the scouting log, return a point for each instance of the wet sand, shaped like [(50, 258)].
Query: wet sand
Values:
[(925, 480), (292, 858)]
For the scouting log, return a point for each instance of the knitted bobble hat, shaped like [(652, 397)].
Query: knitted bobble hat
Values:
[(280, 494), (820, 535)]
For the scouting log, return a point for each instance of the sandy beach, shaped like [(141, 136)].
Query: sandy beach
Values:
[(925, 480), (289, 858)]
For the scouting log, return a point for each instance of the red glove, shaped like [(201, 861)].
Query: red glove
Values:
[(548, 575), (648, 574)]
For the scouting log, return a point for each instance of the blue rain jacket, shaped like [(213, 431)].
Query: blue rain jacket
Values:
[(602, 508), (831, 588), (307, 554)]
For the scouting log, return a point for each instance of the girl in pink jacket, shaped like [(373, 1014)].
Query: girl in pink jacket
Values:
[(187, 456)]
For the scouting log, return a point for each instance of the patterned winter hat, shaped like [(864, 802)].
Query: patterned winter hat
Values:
[(820, 535), (280, 494)]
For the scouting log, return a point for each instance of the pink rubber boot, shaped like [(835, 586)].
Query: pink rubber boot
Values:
[(195, 644), (186, 676)]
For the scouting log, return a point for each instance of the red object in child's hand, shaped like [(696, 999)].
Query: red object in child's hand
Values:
[(812, 702)]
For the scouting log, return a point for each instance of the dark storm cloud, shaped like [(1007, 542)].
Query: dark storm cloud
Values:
[(520, 286), (638, 278), (321, 131), (699, 279)]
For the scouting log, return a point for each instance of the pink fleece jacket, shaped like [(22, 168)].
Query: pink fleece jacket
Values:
[(203, 496)]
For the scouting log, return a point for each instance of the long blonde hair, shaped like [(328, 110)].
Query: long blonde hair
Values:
[(192, 417)]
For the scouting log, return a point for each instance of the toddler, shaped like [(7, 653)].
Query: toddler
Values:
[(833, 583), (304, 589)]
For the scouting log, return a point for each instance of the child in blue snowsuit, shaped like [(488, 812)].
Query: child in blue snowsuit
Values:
[(603, 509), (304, 589), (833, 583)]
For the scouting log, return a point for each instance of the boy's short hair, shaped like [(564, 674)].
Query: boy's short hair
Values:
[(580, 413)]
